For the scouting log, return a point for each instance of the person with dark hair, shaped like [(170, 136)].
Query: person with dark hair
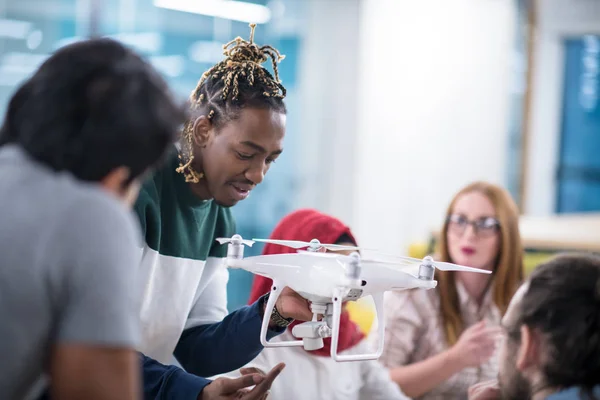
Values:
[(234, 134), (551, 344), (77, 138)]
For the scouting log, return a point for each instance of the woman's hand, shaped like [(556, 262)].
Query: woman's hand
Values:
[(475, 346)]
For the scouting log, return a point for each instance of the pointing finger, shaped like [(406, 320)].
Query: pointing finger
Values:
[(252, 370), (231, 386), (262, 389)]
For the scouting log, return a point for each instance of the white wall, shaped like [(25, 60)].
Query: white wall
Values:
[(328, 89), (557, 19), (433, 107)]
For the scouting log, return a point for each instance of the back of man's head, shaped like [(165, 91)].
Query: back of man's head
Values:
[(562, 304), (92, 107)]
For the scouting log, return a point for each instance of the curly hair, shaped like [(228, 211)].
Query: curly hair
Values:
[(238, 81)]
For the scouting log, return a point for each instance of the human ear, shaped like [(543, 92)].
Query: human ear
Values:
[(528, 353), (201, 131)]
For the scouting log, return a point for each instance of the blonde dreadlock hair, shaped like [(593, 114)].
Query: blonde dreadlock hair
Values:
[(236, 82)]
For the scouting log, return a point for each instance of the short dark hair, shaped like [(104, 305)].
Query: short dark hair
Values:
[(91, 107), (238, 81), (562, 302)]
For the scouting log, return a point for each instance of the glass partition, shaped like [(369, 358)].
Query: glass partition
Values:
[(181, 45)]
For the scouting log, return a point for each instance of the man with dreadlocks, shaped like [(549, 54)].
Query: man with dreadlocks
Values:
[(235, 132)]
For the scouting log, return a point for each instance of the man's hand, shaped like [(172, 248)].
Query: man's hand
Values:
[(230, 389), (291, 305), (488, 390)]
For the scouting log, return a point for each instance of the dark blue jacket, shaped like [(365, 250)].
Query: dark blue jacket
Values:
[(203, 351)]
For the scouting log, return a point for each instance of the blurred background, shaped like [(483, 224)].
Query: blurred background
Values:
[(394, 105)]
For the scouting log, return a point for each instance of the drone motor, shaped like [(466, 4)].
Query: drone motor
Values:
[(314, 245), (235, 248), (426, 269), (354, 268)]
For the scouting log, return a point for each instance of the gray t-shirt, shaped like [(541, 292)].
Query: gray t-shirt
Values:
[(68, 258)]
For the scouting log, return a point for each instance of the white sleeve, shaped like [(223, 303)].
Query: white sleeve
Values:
[(210, 301)]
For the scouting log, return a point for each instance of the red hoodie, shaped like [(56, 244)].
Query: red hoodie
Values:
[(304, 225)]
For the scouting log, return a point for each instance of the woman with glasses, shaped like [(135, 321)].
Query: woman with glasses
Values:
[(439, 342)]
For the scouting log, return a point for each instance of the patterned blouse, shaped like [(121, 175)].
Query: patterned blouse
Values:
[(414, 333)]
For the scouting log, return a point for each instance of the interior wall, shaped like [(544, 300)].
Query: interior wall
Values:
[(433, 105), (328, 92)]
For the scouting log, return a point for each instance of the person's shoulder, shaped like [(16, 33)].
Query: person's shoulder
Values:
[(90, 227), (84, 204), (92, 194), (147, 199), (149, 190), (147, 204), (152, 185)]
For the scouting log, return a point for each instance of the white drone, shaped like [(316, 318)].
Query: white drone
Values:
[(327, 280)]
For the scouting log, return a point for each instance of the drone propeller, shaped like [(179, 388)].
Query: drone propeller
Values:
[(446, 266), (235, 239), (441, 265), (313, 244), (320, 254), (397, 263)]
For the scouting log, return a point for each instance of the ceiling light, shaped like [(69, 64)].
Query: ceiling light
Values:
[(227, 9)]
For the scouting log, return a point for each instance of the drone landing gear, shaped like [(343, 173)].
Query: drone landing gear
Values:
[(337, 311), (275, 292), (313, 332)]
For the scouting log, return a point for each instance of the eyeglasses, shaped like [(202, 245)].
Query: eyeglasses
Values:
[(483, 227)]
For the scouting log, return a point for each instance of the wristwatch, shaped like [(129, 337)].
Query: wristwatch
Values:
[(276, 318)]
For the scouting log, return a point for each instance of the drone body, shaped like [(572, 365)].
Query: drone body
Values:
[(315, 276), (327, 280)]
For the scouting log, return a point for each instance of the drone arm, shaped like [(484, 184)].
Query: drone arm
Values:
[(276, 289), (337, 310)]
